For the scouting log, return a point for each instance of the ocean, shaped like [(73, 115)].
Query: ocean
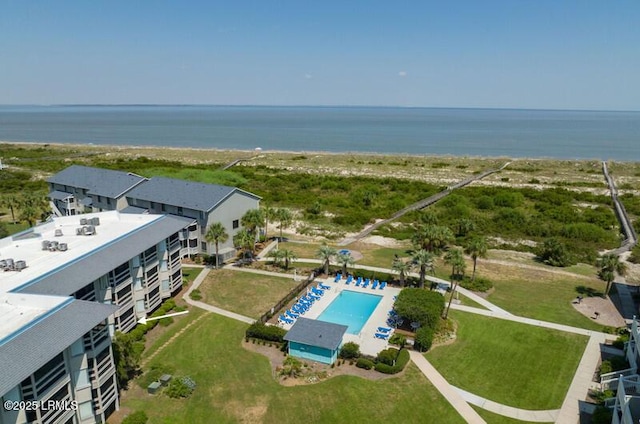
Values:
[(423, 131)]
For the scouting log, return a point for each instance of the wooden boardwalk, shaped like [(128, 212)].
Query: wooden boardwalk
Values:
[(420, 205)]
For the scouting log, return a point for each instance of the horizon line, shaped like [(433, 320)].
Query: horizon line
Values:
[(354, 106)]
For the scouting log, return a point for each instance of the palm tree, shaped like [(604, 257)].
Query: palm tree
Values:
[(277, 256), (285, 217), (326, 253), (465, 226), (432, 238), (610, 265), (244, 240), (10, 201), (216, 233), (345, 260), (423, 259), (288, 256), (252, 220), (269, 214), (403, 268), (455, 258), (477, 248)]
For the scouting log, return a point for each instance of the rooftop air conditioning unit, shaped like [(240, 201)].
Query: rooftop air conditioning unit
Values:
[(45, 244), (83, 221), (95, 221), (62, 247), (79, 231), (8, 265), (53, 246), (3, 264), (20, 265), (88, 230), (58, 232)]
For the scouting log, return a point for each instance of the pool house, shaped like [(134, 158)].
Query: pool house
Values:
[(315, 340)]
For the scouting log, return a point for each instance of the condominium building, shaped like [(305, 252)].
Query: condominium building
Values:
[(80, 189), (66, 286), (626, 405)]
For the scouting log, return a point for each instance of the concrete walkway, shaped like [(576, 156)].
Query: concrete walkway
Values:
[(458, 398), (448, 391), (582, 381), (546, 416), (196, 283)]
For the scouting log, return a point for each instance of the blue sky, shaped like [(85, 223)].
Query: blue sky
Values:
[(525, 54)]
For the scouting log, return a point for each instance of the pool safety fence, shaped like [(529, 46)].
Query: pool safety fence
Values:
[(295, 292)]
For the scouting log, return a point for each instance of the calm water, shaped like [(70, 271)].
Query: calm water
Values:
[(351, 309), (428, 131)]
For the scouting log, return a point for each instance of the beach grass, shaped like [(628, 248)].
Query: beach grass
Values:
[(510, 363), (235, 385), (245, 293)]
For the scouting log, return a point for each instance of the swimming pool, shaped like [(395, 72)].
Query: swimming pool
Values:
[(352, 309)]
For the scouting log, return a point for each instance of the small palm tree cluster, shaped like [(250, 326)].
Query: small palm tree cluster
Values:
[(429, 241), (327, 254), (31, 206), (283, 256), (609, 265)]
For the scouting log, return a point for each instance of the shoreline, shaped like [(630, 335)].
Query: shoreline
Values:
[(122, 147)]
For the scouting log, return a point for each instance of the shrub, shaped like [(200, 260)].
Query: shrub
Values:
[(138, 417), (350, 350), (398, 340), (401, 362), (602, 415), (424, 339), (480, 284), (272, 333), (387, 356), (196, 295), (365, 363), (418, 305), (620, 341), (178, 388)]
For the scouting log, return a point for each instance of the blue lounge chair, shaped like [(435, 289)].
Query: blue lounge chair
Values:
[(383, 285), (384, 330), (317, 292), (291, 315), (284, 319), (381, 336), (313, 296), (323, 287), (349, 279), (374, 285), (366, 283), (337, 278), (358, 282), (392, 313)]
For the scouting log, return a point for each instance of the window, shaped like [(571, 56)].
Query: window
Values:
[(100, 199), (163, 207), (203, 246), (108, 201), (86, 410), (236, 223), (165, 285), (152, 205), (82, 378), (139, 305), (180, 212)]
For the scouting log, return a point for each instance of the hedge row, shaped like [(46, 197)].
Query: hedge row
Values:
[(258, 330), (137, 334), (401, 362)]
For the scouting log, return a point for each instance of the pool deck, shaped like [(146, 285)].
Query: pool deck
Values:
[(369, 345)]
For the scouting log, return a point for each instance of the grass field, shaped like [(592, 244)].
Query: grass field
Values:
[(234, 385), (243, 292), (539, 294), (492, 418), (515, 364)]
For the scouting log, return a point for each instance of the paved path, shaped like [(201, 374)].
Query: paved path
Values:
[(448, 391), (263, 272), (582, 381), (458, 398), (543, 416), (196, 283)]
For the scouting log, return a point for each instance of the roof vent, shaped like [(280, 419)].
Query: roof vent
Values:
[(62, 247), (58, 233)]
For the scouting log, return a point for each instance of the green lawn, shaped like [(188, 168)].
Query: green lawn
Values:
[(234, 385), (190, 273), (492, 418), (515, 364), (302, 250), (243, 292)]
